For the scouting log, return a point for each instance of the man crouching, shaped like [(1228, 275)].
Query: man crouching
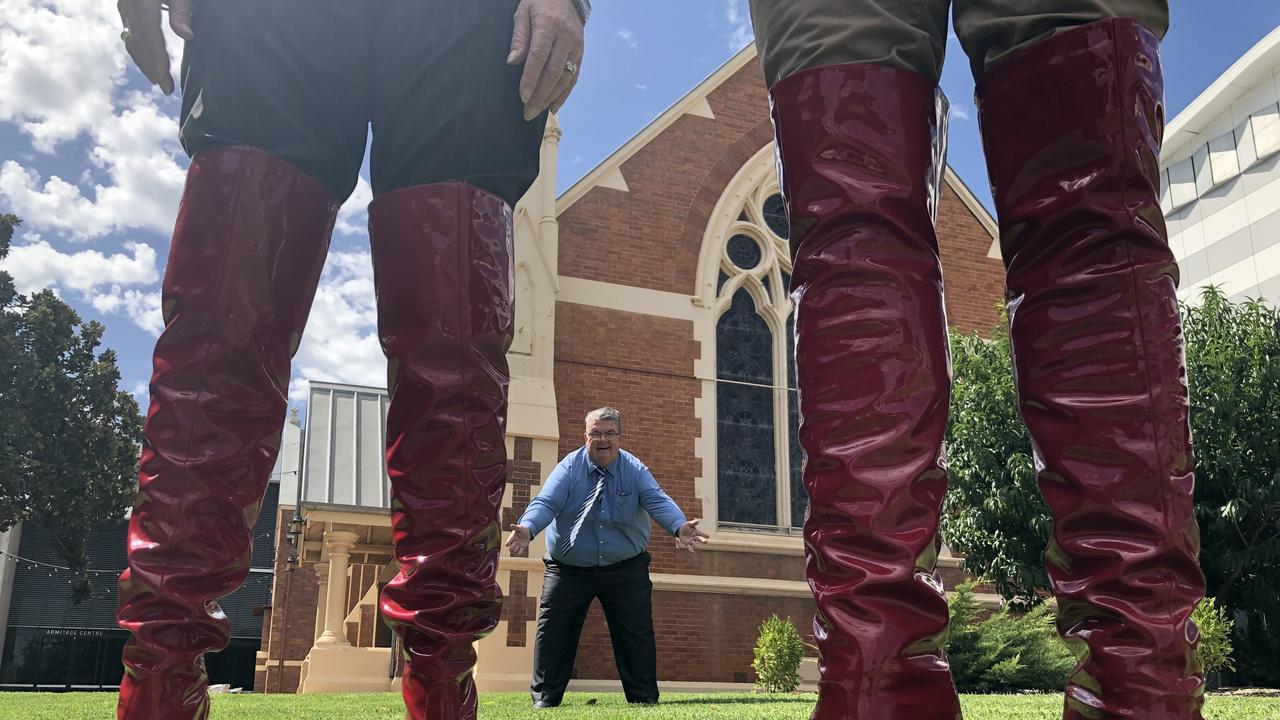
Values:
[(595, 507)]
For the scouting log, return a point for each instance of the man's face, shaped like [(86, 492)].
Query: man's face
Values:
[(602, 441)]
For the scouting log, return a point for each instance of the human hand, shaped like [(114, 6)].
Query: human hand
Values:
[(548, 40), (518, 540), (143, 35), (690, 536)]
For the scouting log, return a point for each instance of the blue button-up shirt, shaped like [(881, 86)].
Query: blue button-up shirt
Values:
[(617, 528)]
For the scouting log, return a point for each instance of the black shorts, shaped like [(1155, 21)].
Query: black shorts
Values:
[(305, 79)]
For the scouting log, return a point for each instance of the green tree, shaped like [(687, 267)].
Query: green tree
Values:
[(68, 435), (993, 512), (1233, 366)]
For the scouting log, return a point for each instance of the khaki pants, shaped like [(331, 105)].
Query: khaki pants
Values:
[(795, 35)]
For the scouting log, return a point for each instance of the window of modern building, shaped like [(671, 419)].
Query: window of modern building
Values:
[(1223, 161), (1265, 126)]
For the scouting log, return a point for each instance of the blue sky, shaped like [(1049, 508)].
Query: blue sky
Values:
[(89, 157)]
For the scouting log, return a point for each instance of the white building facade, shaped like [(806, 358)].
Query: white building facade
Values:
[(1220, 181)]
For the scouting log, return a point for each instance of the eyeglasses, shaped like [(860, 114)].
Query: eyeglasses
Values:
[(607, 435)]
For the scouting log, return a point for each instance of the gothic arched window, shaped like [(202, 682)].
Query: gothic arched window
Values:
[(758, 457)]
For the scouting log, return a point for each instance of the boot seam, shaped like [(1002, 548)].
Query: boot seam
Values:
[(1126, 171)]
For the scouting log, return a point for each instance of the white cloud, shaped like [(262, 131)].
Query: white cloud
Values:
[(641, 87), (62, 76), (96, 278), (60, 61), (353, 218), (137, 150), (960, 112), (341, 340), (141, 307), (629, 38), (738, 22), (39, 265)]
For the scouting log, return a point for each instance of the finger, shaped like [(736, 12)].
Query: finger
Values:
[(180, 19), (520, 36), (145, 41), (541, 41), (567, 82), (547, 81), (694, 522)]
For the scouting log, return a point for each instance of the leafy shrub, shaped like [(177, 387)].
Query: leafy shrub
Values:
[(1215, 636), (779, 651), (1005, 652)]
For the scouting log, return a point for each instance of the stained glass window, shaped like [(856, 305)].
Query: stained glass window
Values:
[(775, 216), (758, 464), (744, 415), (744, 252)]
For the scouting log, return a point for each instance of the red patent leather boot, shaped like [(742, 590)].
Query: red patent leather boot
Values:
[(1072, 128), (860, 152), (247, 251), (442, 259)]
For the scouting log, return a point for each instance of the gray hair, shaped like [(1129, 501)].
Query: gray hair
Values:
[(604, 414)]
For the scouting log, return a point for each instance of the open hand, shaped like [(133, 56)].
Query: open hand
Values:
[(518, 540), (548, 40), (143, 35), (690, 536)]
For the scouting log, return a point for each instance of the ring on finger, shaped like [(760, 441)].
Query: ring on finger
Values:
[(571, 67)]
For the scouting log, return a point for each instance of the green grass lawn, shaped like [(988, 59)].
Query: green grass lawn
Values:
[(609, 706)]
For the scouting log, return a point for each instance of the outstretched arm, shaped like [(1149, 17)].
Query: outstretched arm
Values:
[(542, 509), (667, 514)]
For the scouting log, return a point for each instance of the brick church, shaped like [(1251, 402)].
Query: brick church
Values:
[(633, 287)]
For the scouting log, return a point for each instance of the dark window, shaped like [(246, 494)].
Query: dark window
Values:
[(799, 499), (775, 216), (744, 433), (381, 630), (744, 343), (744, 415), (744, 251)]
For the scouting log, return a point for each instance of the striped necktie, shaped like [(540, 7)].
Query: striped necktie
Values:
[(568, 542)]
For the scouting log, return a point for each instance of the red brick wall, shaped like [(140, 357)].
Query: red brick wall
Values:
[(297, 590), (701, 636), (974, 282), (650, 237)]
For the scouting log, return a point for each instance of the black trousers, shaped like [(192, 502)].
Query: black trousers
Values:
[(626, 595), (304, 79)]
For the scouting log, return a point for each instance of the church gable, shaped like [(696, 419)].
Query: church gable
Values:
[(641, 217)]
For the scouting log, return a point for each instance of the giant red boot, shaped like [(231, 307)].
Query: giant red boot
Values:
[(247, 251), (1072, 128), (442, 258), (860, 153)]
